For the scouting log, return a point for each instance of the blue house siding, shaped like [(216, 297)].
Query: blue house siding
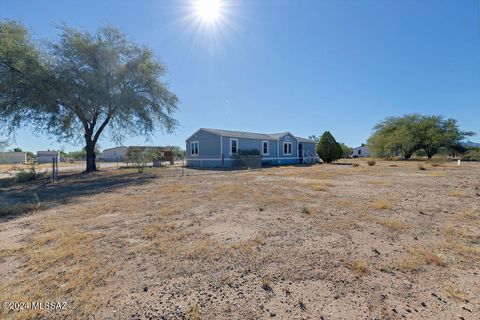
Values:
[(214, 148)]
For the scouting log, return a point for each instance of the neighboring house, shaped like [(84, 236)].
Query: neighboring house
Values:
[(47, 156), (213, 148), (13, 157), (361, 152), (114, 154)]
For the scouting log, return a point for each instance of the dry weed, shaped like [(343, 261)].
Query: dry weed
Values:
[(381, 205), (359, 267)]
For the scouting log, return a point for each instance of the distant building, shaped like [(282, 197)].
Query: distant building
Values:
[(47, 156), (13, 157), (114, 154), (361, 152)]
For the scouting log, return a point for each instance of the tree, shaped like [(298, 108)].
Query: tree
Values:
[(346, 150), (328, 148), (82, 86), (17, 149), (435, 133), (396, 136), (414, 132)]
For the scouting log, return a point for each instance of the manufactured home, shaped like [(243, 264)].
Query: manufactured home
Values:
[(214, 148), (361, 152), (13, 157), (114, 154), (48, 156)]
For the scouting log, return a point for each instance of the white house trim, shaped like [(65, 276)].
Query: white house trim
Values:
[(198, 148), (230, 151), (291, 148), (268, 148)]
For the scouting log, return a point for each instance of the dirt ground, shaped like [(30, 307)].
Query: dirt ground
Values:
[(397, 240)]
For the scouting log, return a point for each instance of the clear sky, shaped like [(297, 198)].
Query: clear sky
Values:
[(303, 66)]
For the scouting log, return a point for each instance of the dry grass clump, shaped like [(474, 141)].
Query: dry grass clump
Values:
[(176, 188), (421, 167), (356, 165), (467, 214), (317, 186), (381, 204), (264, 198), (391, 223), (359, 267), (371, 163), (437, 162), (417, 258), (454, 292), (194, 313), (456, 193), (380, 183)]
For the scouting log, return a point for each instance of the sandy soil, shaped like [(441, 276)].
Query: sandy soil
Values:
[(389, 241)]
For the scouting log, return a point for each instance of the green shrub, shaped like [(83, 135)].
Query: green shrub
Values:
[(472, 155), (16, 209), (371, 162), (26, 176)]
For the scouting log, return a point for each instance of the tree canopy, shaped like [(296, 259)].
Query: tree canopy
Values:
[(81, 86), (328, 148), (403, 136)]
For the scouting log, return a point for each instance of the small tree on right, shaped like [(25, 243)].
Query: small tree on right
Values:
[(328, 148)]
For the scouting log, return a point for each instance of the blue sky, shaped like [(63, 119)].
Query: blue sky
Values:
[(303, 66)]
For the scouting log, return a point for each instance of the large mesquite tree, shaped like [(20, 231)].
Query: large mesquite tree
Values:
[(82, 86), (413, 132)]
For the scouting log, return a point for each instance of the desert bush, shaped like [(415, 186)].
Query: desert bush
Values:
[(25, 176), (472, 155), (371, 162), (421, 167), (436, 162), (17, 209), (355, 165)]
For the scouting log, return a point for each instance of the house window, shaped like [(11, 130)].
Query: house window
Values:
[(233, 146), (287, 148), (265, 147), (359, 151), (194, 151)]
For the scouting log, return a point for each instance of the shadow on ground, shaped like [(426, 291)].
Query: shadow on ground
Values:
[(24, 198)]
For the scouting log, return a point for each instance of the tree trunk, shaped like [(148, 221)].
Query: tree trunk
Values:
[(91, 157)]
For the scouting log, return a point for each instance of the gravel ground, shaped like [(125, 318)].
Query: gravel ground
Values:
[(389, 241)]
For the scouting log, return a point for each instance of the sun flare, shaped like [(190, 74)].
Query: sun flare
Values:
[(208, 11)]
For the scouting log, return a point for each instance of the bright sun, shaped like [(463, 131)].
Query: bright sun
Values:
[(208, 11)]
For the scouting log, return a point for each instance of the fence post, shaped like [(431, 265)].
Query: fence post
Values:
[(53, 169)]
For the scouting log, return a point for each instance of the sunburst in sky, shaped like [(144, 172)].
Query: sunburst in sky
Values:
[(209, 11)]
